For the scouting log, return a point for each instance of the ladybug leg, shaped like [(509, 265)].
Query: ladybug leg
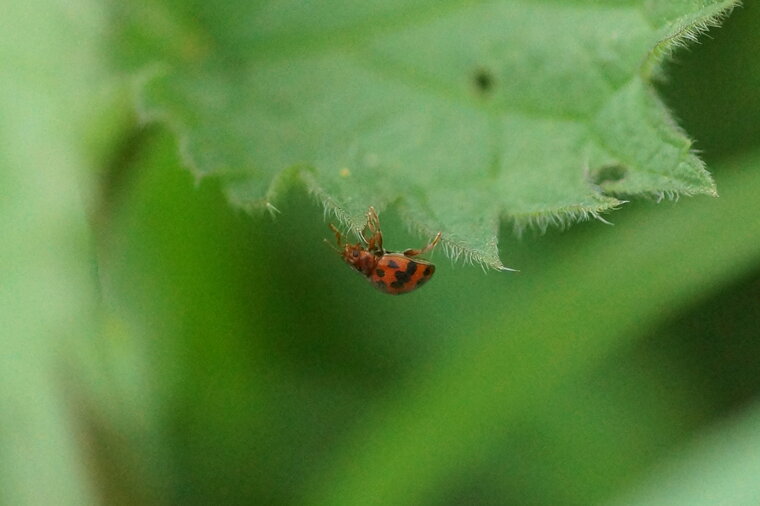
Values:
[(373, 220), (371, 227), (375, 242), (415, 252), (338, 235)]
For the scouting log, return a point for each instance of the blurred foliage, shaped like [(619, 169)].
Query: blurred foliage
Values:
[(233, 359), (47, 282)]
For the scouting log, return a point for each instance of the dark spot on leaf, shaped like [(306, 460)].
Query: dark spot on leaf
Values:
[(609, 174), (483, 81)]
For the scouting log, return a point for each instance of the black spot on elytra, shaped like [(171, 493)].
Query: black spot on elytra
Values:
[(402, 276), (392, 264), (398, 284), (483, 81), (428, 271), (411, 268), (380, 273)]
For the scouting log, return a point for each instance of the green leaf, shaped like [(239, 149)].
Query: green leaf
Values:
[(460, 113)]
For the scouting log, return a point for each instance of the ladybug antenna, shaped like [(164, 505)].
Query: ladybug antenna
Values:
[(332, 246), (338, 239)]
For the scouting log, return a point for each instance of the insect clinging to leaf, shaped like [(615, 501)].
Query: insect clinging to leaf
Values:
[(393, 273)]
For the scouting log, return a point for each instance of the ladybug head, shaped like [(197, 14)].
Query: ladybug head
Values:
[(359, 258)]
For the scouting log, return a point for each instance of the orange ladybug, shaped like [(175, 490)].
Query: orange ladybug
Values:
[(393, 273)]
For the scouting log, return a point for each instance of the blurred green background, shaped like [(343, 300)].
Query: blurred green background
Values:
[(161, 347)]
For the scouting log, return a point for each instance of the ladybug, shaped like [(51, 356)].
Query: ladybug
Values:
[(393, 273)]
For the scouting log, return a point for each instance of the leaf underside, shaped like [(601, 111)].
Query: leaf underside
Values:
[(461, 114)]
